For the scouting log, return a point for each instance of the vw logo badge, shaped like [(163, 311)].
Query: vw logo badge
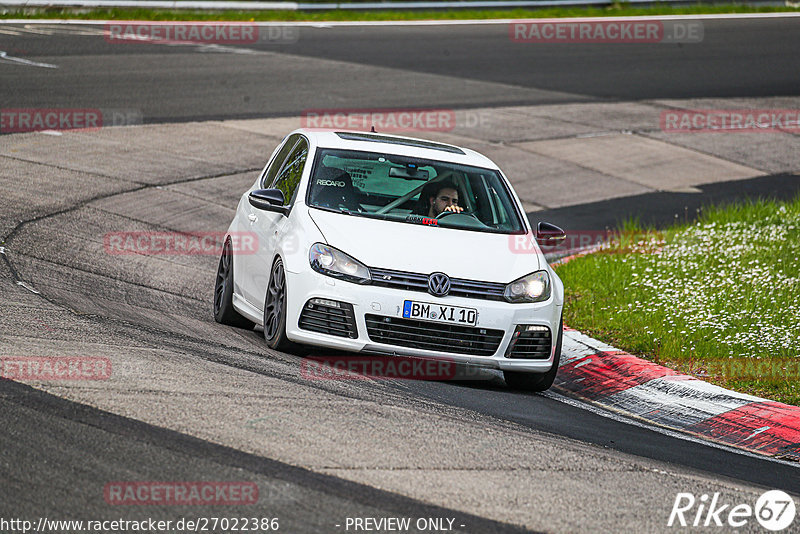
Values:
[(439, 284)]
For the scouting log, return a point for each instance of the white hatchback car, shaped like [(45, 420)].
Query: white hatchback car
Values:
[(389, 245)]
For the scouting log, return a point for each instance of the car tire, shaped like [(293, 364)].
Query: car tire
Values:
[(275, 311), (224, 312), (536, 381)]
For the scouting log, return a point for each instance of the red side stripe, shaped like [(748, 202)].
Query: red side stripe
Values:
[(767, 427), (606, 373)]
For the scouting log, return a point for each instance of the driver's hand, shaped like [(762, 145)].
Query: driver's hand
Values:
[(454, 209)]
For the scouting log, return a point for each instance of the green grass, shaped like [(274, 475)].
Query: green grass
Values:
[(337, 15), (719, 298)]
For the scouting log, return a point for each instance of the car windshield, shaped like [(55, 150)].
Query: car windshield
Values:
[(413, 190)]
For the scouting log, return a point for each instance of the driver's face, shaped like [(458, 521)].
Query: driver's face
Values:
[(445, 198)]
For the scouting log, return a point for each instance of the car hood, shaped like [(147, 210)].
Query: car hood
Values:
[(425, 249)]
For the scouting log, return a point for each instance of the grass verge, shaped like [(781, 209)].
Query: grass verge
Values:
[(718, 299), (616, 10)]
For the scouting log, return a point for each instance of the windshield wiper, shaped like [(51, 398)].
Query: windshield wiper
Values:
[(366, 214)]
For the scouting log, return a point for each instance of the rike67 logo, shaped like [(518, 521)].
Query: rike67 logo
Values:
[(774, 510)]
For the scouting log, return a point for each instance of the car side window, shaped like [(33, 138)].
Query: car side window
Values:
[(277, 163), (288, 178)]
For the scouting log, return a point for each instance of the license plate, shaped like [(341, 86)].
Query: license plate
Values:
[(427, 311)]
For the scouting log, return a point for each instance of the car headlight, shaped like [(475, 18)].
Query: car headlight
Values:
[(332, 262), (534, 287)]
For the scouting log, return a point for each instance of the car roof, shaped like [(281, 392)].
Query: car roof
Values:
[(395, 144)]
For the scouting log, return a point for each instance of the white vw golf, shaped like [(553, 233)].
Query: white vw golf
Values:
[(389, 245)]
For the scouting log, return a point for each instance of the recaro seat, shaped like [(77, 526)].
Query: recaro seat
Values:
[(333, 188)]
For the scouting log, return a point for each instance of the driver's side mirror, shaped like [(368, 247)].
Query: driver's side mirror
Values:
[(549, 235), (268, 200)]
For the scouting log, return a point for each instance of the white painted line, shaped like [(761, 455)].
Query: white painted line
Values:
[(677, 403), (689, 381), (37, 31), (5, 58), (217, 49), (580, 345), (29, 288), (757, 432), (331, 24)]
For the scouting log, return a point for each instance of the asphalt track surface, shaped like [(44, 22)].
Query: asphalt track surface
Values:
[(390, 67), (92, 447), (662, 209), (84, 447)]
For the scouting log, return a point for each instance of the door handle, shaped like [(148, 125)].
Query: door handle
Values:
[(253, 217)]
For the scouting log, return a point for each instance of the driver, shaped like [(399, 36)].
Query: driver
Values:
[(444, 199)]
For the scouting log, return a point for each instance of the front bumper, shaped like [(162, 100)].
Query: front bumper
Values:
[(388, 302)]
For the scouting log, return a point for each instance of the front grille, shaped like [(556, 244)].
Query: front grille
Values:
[(439, 337), (459, 287), (329, 317), (530, 342)]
